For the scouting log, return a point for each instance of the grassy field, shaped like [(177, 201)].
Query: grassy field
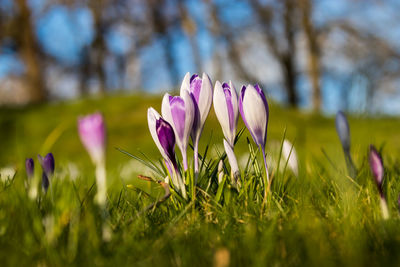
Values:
[(323, 217)]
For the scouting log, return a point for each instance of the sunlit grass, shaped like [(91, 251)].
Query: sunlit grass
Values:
[(323, 217)]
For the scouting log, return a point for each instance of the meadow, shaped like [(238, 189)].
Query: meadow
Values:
[(322, 217)]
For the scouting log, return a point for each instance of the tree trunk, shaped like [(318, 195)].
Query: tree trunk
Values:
[(29, 53), (288, 58), (313, 57)]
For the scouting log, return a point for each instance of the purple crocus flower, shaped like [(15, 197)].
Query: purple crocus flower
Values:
[(48, 166), (253, 107), (343, 130), (376, 164), (227, 110), (179, 112), (200, 89), (47, 163), (29, 167), (92, 132), (164, 137)]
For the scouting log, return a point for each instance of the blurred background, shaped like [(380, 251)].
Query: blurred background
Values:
[(317, 55)]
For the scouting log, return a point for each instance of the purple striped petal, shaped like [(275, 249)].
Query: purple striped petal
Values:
[(177, 105), (264, 99), (228, 98), (195, 87), (242, 93), (258, 132), (166, 137)]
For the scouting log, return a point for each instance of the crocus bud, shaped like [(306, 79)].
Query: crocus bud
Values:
[(29, 167), (92, 133), (376, 164), (290, 156), (235, 173), (48, 166), (179, 112), (253, 107), (200, 89), (47, 163), (343, 130), (226, 109), (164, 137)]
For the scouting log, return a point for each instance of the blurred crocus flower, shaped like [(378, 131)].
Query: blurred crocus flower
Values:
[(92, 132), (235, 173), (29, 167), (48, 165), (179, 112), (376, 164), (226, 108), (253, 107), (343, 131), (200, 89), (290, 156), (164, 137)]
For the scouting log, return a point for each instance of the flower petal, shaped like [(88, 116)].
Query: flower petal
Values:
[(376, 165), (343, 130), (221, 110), (255, 114)]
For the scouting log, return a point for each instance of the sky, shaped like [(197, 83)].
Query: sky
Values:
[(63, 32)]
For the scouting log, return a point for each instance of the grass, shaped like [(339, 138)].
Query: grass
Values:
[(323, 217)]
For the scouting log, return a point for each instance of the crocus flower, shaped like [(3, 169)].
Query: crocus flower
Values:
[(376, 164), (235, 173), (29, 167), (48, 166), (226, 109), (164, 137), (290, 156), (200, 89), (179, 112), (92, 132), (343, 131), (253, 107)]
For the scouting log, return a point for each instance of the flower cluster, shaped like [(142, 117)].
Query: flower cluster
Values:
[(48, 165), (185, 115)]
